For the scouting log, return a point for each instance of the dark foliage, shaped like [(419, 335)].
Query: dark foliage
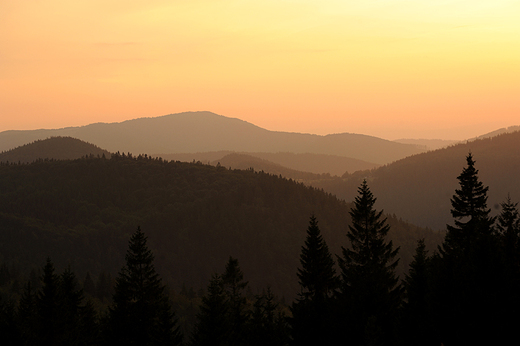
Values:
[(227, 317), (370, 290), (141, 312), (468, 275), (313, 310), (416, 310), (81, 211)]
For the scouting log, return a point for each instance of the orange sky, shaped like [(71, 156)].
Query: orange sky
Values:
[(388, 68)]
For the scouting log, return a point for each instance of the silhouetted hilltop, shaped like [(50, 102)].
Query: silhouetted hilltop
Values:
[(419, 188), (204, 131), (80, 212), (57, 148)]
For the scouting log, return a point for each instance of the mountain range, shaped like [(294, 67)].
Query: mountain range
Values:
[(416, 188), (193, 132)]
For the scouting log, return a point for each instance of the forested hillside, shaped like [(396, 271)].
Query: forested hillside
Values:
[(418, 188), (57, 148), (302, 162), (81, 213)]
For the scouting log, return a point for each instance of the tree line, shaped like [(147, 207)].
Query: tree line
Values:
[(466, 292)]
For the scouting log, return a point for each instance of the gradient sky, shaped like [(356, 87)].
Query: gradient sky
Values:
[(388, 68)]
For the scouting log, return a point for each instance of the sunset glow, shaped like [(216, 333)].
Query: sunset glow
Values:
[(388, 68)]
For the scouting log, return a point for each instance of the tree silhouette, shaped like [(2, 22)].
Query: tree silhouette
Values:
[(234, 285), (317, 276), (370, 292), (213, 326), (416, 316), (468, 272), (312, 312), (141, 312), (469, 208)]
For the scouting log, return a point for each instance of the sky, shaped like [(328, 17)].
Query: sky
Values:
[(387, 68)]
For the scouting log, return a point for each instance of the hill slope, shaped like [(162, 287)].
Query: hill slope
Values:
[(57, 148), (192, 132), (419, 188), (312, 163), (81, 213)]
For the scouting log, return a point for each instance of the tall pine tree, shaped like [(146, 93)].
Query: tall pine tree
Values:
[(234, 285), (470, 212), (416, 324), (312, 312), (141, 313), (508, 225), (468, 272), (370, 292), (213, 325), (317, 276)]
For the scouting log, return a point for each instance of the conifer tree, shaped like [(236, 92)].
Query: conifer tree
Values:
[(213, 326), (317, 276), (47, 307), (417, 325), (370, 292), (224, 313), (468, 271), (470, 211), (508, 225), (267, 325), (76, 318), (234, 286), (312, 312), (141, 312)]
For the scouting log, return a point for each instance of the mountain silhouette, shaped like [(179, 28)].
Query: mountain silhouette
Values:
[(193, 132)]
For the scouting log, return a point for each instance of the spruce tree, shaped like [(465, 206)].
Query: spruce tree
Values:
[(267, 325), (47, 303), (370, 293), (468, 272), (234, 287), (312, 311), (77, 319), (224, 317), (508, 225), (317, 276), (470, 212), (416, 315), (141, 313), (213, 325)]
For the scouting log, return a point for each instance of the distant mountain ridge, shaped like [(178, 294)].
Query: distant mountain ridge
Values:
[(192, 132)]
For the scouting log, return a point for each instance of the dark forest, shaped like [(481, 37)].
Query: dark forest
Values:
[(138, 250)]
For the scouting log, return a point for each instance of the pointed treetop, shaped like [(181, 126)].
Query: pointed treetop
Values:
[(317, 276)]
